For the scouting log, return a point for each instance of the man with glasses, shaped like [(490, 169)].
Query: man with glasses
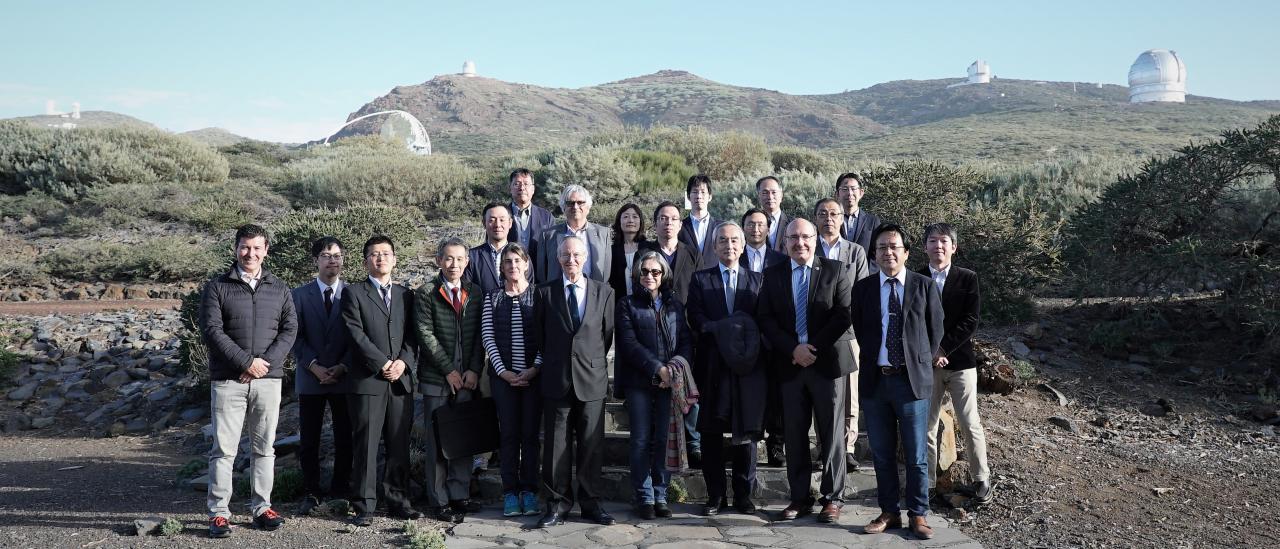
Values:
[(804, 319), (576, 202), (898, 319), (696, 231), (528, 220), (323, 355), (858, 223), (769, 196)]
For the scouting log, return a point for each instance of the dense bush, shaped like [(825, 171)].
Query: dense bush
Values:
[(722, 156), (164, 259), (68, 163), (801, 190), (372, 170), (800, 159), (213, 207), (658, 172), (259, 161), (292, 235), (1058, 188), (602, 171)]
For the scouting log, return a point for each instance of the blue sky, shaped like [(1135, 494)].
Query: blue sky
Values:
[(293, 71)]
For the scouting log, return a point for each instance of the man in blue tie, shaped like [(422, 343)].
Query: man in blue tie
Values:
[(804, 321), (898, 319)]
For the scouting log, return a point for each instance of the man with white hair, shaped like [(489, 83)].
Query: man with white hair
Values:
[(575, 202)]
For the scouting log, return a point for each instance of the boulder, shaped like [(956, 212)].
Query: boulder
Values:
[(17, 422), (115, 379), (147, 526), (25, 391), (946, 439)]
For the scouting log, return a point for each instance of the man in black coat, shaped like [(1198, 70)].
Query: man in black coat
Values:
[(898, 320), (379, 315), (528, 220), (756, 257), (858, 223), (804, 319), (573, 329), (729, 398), (698, 229), (482, 261)]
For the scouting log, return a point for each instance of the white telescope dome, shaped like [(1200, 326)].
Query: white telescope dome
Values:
[(1158, 75)]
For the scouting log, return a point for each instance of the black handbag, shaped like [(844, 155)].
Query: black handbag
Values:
[(464, 429)]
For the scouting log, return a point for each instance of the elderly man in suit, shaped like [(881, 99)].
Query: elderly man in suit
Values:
[(379, 318), (698, 229), (830, 218), (528, 220), (858, 223), (573, 319), (323, 355), (756, 257), (576, 202), (804, 319), (898, 319), (769, 197), (955, 367), (733, 395)]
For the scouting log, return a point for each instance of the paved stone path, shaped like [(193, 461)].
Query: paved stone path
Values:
[(687, 530)]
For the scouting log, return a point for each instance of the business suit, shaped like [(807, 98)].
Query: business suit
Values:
[(380, 409), (574, 382), (539, 219), (483, 271), (773, 401), (855, 260), (546, 250), (777, 238), (322, 338), (707, 252), (896, 406), (961, 308), (732, 403), (858, 230), (815, 392), (684, 262)]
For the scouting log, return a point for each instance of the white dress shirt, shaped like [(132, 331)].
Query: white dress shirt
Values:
[(337, 288), (581, 290), (939, 277), (700, 228), (755, 257), (882, 359)]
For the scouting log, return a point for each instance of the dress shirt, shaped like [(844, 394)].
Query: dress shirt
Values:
[(832, 251), (521, 218), (807, 273), (337, 288), (700, 228), (377, 286), (882, 359), (252, 282), (755, 257), (582, 233), (581, 286), (774, 233), (939, 277)]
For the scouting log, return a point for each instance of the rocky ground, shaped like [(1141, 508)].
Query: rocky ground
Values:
[(1086, 451)]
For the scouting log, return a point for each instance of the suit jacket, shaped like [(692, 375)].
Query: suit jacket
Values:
[(483, 272), (771, 258), (828, 318), (854, 257), (618, 270), (781, 243), (322, 337), (921, 331), (961, 307), (539, 219), (686, 262), (379, 335), (860, 233), (644, 346), (706, 307), (573, 360), (690, 239), (546, 251)]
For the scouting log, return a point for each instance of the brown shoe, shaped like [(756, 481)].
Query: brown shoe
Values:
[(921, 528), (883, 522), (829, 513), (797, 510)]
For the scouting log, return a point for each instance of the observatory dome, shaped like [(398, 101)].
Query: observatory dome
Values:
[(1158, 75), (469, 68)]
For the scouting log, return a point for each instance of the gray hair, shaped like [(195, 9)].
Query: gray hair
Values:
[(942, 229), (646, 255), (568, 239), (574, 188), (726, 224), (446, 242)]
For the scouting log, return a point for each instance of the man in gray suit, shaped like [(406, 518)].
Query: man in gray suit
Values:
[(323, 355), (528, 220), (898, 319), (378, 315), (858, 223), (573, 330), (830, 218), (769, 196), (575, 201)]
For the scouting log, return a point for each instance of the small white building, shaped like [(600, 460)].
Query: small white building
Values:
[(469, 68), (979, 73), (1158, 75)]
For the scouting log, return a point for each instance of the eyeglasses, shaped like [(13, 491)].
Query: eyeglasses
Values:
[(796, 237), (890, 248), (575, 203), (849, 188), (331, 257), (655, 273), (381, 255)]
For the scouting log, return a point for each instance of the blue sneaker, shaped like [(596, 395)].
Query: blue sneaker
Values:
[(510, 505), (530, 503)]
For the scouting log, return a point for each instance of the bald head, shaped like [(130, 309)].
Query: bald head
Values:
[(801, 238)]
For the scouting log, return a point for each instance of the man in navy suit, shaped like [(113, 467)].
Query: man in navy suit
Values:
[(756, 257), (898, 320), (527, 219), (322, 353), (858, 223), (482, 260), (698, 229)]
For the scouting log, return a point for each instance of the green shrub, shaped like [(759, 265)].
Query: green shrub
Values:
[(67, 163), (722, 156), (192, 469), (163, 259), (371, 170), (171, 527), (799, 159), (602, 171), (801, 190), (9, 361), (32, 209), (21, 271), (290, 254), (1056, 187), (420, 537), (658, 172), (259, 161)]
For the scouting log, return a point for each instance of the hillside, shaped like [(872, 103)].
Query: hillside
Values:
[(89, 119), (215, 137)]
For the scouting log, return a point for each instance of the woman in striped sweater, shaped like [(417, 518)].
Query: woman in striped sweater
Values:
[(504, 332)]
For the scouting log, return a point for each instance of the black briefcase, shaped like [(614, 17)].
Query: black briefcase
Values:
[(464, 429)]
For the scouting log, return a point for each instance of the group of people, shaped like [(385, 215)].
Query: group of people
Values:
[(725, 332)]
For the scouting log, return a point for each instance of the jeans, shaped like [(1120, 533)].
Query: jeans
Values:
[(692, 437), (649, 410), (519, 419), (234, 405), (893, 411)]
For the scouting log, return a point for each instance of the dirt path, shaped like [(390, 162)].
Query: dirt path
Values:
[(41, 308)]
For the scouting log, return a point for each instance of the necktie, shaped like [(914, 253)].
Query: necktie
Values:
[(574, 315), (893, 341), (328, 300), (850, 228), (801, 296), (386, 297), (729, 289), (457, 303)]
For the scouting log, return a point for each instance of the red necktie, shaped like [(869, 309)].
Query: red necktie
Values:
[(457, 303)]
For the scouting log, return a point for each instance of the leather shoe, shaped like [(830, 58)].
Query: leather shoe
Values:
[(797, 510), (713, 506), (982, 492), (362, 519), (309, 503), (745, 506), (920, 527), (599, 516), (645, 511), (830, 512), (443, 514), (551, 518), (777, 456), (883, 522), (404, 513), (661, 510), (850, 463), (695, 459)]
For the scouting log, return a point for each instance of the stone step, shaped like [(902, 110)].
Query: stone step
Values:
[(617, 448), (771, 484)]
